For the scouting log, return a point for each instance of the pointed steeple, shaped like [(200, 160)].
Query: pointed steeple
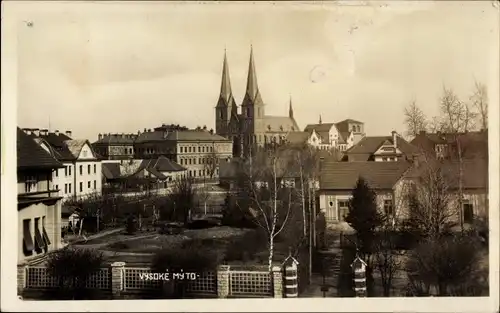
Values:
[(320, 119), (225, 88), (252, 87), (290, 109)]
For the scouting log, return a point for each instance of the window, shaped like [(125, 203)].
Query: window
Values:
[(343, 209), (69, 170), (388, 208), (81, 169), (69, 188), (30, 184), (468, 213), (88, 184), (194, 173), (95, 184), (57, 173), (194, 161), (88, 169), (65, 188), (95, 169), (81, 186), (57, 187), (199, 149), (39, 242), (65, 171), (28, 245), (190, 161)]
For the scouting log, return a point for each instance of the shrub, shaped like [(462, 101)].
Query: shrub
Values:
[(244, 248), (72, 268), (235, 216)]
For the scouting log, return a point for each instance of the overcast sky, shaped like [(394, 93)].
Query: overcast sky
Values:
[(121, 67)]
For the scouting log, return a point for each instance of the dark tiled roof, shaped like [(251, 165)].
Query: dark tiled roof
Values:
[(75, 146), (297, 137), (31, 155), (111, 170), (343, 137), (369, 145), (473, 143), (350, 121), (163, 164), (475, 172), (323, 127), (344, 175), (117, 139), (155, 172), (57, 144), (279, 124), (184, 135)]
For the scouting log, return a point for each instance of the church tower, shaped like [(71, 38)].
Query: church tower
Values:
[(252, 106), (226, 106)]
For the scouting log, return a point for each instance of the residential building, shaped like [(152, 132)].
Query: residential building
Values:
[(115, 146), (444, 145), (39, 205), (331, 137), (251, 128), (381, 149), (81, 174), (338, 180), (197, 151), (347, 126)]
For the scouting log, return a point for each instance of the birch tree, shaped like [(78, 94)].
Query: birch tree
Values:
[(264, 192)]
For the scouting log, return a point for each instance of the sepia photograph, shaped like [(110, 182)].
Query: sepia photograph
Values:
[(232, 150)]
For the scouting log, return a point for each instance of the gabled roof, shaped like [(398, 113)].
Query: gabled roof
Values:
[(162, 164), (323, 127), (117, 139), (473, 143), (30, 155), (344, 175), (75, 146), (60, 149), (369, 145)]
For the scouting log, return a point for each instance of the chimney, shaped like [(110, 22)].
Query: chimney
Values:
[(56, 132), (68, 133), (27, 131), (138, 132), (145, 130), (149, 130), (123, 135), (394, 139), (99, 137), (44, 132), (36, 131)]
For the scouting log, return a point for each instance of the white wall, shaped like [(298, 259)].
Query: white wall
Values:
[(52, 226), (61, 178)]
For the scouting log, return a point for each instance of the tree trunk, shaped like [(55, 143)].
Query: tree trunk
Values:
[(460, 185), (271, 251)]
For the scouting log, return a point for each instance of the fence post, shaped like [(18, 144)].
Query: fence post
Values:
[(291, 281), (277, 282), (359, 267), (21, 278), (117, 278), (223, 281)]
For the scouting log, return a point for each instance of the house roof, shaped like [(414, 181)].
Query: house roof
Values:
[(280, 124), (343, 137), (57, 145), (182, 135), (369, 145), (30, 155), (298, 137), (323, 130), (474, 172), (75, 146), (344, 175), (111, 170), (117, 139), (161, 164), (473, 143), (349, 120)]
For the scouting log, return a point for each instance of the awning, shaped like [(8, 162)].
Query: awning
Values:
[(27, 239), (45, 236), (39, 243)]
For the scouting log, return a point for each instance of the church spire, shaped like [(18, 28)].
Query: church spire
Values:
[(252, 88), (290, 108), (320, 119), (225, 88)]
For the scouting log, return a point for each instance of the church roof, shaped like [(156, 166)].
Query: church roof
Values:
[(280, 124)]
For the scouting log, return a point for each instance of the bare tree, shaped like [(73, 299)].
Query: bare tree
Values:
[(415, 119), (388, 260), (211, 163), (479, 101), (264, 192), (430, 200)]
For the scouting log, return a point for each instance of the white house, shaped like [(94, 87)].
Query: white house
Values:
[(39, 205), (391, 182), (81, 174)]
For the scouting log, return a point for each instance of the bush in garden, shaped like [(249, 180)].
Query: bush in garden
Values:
[(73, 268)]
